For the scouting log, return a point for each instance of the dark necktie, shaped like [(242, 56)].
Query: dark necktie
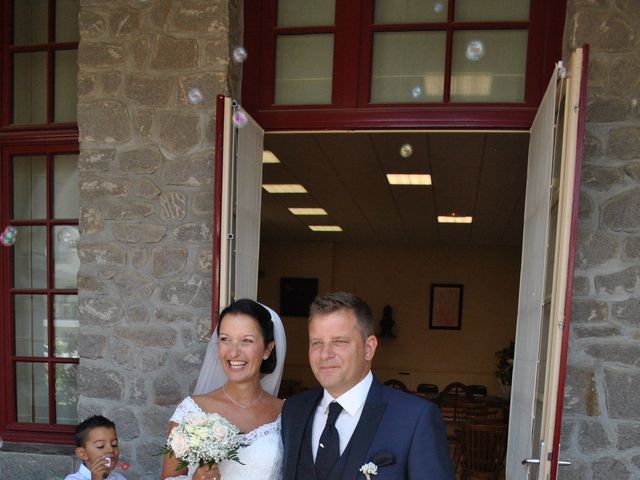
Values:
[(329, 447)]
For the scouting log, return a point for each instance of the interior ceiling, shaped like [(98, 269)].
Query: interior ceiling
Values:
[(482, 174)]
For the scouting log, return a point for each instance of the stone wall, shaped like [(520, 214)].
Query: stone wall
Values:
[(146, 186), (601, 427)]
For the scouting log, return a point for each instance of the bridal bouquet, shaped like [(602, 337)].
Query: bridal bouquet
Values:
[(204, 439)]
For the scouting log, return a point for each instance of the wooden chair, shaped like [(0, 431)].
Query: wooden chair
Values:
[(450, 399), (455, 388), (397, 384), (472, 412), (477, 391), (483, 449), (427, 388)]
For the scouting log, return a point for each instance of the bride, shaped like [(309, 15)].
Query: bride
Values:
[(239, 380)]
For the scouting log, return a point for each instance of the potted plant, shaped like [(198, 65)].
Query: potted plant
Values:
[(504, 370)]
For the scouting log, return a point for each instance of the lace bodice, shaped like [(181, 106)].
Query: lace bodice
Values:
[(262, 458)]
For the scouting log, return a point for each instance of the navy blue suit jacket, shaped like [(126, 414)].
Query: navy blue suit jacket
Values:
[(394, 425)]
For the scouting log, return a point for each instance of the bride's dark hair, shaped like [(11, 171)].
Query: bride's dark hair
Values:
[(263, 317)]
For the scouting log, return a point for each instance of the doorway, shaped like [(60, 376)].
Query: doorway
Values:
[(391, 247)]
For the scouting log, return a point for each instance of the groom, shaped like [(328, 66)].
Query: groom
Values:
[(332, 432)]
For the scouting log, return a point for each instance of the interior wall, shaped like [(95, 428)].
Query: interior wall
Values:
[(401, 276)]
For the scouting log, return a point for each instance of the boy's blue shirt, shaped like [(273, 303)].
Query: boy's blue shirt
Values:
[(84, 473)]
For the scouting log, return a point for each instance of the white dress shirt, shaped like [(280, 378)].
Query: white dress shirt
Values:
[(352, 402), (84, 473)]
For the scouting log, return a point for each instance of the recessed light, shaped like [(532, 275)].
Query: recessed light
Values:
[(454, 219), (409, 178), (325, 228), (308, 211), (284, 188), (269, 157)]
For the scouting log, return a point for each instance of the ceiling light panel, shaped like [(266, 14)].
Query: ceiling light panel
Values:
[(409, 178), (284, 188), (269, 157), (308, 211), (454, 219), (325, 228)]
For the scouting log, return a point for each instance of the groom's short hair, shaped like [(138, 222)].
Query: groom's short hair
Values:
[(334, 301)]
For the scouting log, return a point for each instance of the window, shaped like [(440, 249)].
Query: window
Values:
[(41, 55), (394, 63), (39, 198)]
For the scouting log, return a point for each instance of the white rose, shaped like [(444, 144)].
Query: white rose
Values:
[(197, 419), (179, 445), (219, 433)]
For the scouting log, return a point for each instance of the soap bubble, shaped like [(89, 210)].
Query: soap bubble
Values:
[(406, 150), (123, 463), (416, 92), (195, 96), (474, 51), (240, 55), (8, 236), (438, 7), (68, 236), (240, 119)]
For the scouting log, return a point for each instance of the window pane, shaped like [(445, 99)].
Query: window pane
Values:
[(66, 86), (30, 258), (30, 87), (411, 11), (408, 67), (30, 325), (32, 392), (65, 325), (304, 13), (491, 10), (66, 394), (65, 186), (30, 20), (65, 256), (67, 21), (29, 187), (304, 69), (489, 66)]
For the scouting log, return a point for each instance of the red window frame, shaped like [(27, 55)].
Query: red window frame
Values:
[(10, 427), (27, 139), (353, 42), (8, 49)]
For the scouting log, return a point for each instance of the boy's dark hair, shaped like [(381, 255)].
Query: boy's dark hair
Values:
[(263, 317), (83, 429)]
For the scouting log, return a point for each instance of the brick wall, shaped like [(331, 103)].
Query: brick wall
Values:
[(146, 179), (601, 427)]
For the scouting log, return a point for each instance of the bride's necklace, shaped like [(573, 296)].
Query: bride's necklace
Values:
[(224, 390)]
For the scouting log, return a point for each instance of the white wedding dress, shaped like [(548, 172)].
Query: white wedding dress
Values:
[(262, 458)]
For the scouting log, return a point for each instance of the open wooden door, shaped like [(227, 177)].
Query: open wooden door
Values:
[(237, 201), (546, 278)]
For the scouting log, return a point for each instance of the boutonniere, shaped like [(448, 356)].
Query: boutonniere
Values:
[(382, 459), (369, 469)]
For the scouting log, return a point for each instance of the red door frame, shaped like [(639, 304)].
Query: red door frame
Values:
[(566, 326)]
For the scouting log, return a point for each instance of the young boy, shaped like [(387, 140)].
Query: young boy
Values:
[(97, 447)]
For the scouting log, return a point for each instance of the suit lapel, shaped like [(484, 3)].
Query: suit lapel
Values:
[(296, 436), (365, 431)]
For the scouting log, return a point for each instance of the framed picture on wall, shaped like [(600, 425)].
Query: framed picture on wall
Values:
[(446, 306), (296, 295)]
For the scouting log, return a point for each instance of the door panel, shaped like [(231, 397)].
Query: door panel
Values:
[(548, 251), (240, 203)]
